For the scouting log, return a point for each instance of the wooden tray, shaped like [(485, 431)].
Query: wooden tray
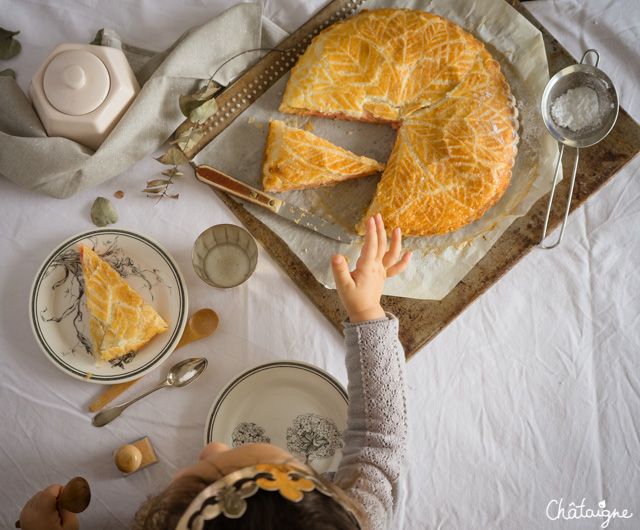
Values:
[(422, 320)]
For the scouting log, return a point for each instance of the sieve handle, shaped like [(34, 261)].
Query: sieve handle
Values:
[(591, 50)]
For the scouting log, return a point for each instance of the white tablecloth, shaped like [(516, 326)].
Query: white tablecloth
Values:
[(528, 402)]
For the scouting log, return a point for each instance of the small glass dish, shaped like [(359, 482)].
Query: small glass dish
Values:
[(224, 256)]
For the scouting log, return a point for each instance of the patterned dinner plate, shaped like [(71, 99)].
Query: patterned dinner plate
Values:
[(58, 308), (293, 405)]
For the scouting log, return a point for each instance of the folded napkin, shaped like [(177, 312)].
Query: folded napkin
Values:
[(60, 168)]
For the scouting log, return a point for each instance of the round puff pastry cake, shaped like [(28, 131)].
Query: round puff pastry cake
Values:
[(456, 118)]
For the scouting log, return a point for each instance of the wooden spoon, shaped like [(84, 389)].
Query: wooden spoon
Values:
[(75, 496), (201, 324)]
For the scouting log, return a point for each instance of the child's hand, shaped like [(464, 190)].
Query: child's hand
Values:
[(360, 290), (41, 511)]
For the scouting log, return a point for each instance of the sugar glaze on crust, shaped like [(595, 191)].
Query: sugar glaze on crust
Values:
[(456, 117)]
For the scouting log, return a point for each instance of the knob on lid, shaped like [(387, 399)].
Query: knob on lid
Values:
[(76, 82)]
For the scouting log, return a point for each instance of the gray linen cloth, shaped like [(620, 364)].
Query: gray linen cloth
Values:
[(60, 168)]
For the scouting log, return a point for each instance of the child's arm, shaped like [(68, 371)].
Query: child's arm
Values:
[(375, 439), (360, 290), (41, 511)]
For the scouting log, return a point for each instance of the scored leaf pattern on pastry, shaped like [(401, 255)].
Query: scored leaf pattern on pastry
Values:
[(295, 158), (457, 120)]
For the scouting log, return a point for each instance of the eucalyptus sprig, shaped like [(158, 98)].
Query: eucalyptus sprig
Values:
[(9, 47), (198, 108)]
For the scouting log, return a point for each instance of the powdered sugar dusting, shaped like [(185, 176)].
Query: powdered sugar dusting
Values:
[(576, 109)]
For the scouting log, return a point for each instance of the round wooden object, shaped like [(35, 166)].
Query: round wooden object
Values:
[(128, 458)]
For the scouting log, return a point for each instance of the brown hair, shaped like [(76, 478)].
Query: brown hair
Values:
[(266, 510)]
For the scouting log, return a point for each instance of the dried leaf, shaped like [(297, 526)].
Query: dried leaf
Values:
[(206, 92), (103, 213), (155, 190), (9, 47), (6, 34), (174, 172), (176, 196), (190, 138), (8, 73), (188, 104), (173, 157), (158, 182), (97, 40), (204, 111)]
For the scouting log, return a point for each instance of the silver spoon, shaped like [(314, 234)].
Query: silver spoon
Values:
[(180, 374)]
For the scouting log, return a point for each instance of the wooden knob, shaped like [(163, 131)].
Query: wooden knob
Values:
[(128, 458)]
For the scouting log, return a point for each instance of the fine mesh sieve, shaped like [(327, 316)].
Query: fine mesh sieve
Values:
[(575, 76)]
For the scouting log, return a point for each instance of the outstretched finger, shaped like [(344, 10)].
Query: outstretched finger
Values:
[(381, 234), (400, 266), (370, 247), (340, 270), (394, 249)]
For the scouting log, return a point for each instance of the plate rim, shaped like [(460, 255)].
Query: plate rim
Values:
[(283, 363), (182, 310)]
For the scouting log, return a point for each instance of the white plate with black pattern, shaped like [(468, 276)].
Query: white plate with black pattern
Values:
[(58, 309), (293, 405)]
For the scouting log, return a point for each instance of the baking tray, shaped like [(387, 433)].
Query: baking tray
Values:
[(422, 320)]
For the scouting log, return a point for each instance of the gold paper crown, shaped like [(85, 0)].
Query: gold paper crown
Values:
[(227, 495)]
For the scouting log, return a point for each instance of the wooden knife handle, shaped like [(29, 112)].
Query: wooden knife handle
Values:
[(224, 182)]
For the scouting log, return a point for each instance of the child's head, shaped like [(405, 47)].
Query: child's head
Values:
[(228, 475)]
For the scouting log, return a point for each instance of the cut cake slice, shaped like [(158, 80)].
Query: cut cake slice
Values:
[(297, 159), (120, 320)]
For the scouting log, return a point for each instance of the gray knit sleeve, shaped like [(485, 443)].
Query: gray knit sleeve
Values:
[(376, 435)]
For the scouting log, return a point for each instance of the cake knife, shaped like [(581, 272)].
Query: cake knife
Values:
[(223, 182)]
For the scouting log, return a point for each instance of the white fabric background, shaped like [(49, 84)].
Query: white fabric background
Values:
[(531, 396)]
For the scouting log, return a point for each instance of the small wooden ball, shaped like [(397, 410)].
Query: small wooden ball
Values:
[(128, 458)]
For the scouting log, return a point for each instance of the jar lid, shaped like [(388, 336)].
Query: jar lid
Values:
[(76, 82)]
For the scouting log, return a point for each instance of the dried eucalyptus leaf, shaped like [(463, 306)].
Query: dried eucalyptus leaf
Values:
[(190, 138), (158, 182), (6, 34), (206, 92), (9, 48), (103, 213), (97, 40), (174, 172), (154, 190), (176, 196), (8, 73), (173, 157), (188, 104), (204, 111)]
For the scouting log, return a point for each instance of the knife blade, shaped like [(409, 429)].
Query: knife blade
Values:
[(223, 182)]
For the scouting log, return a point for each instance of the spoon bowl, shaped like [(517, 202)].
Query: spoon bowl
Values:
[(179, 375)]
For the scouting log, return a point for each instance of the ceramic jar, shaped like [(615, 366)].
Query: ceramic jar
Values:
[(81, 91)]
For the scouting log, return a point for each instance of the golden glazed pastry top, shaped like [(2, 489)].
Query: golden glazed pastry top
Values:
[(457, 120), (295, 158), (120, 320)]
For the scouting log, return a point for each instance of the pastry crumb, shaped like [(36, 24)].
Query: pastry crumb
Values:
[(252, 119), (308, 127)]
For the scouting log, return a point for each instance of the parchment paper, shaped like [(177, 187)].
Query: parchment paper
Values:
[(439, 262)]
